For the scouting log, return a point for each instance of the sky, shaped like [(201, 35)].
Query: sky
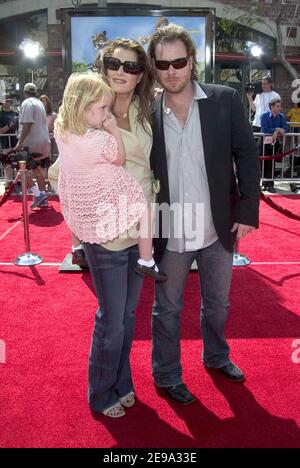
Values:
[(133, 27)]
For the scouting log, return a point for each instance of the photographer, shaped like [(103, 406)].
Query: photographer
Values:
[(261, 101)]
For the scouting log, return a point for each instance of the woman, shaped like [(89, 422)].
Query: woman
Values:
[(51, 116), (111, 388)]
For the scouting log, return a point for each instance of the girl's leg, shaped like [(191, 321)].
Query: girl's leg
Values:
[(78, 256), (146, 265), (75, 242)]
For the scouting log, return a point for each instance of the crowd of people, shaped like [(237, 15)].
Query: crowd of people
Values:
[(120, 150), (269, 120)]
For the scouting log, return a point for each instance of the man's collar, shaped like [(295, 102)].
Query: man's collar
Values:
[(271, 115), (198, 94)]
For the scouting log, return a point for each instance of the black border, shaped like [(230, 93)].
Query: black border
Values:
[(129, 10)]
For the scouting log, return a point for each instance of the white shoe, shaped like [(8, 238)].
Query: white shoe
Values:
[(128, 400), (115, 411)]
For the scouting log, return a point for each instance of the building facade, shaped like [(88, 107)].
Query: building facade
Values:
[(236, 23)]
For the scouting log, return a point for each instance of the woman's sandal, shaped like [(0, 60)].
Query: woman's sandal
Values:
[(128, 400), (115, 411)]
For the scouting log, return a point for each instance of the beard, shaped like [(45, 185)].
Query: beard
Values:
[(175, 85)]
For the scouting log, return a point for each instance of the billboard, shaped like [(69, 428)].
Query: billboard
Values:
[(88, 31)]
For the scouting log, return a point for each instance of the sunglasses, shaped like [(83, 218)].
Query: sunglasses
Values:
[(133, 68), (177, 64)]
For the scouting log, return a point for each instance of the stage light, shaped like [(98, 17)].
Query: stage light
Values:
[(256, 51), (253, 50), (31, 49)]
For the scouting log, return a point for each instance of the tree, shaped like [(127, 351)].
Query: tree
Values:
[(254, 16), (280, 49)]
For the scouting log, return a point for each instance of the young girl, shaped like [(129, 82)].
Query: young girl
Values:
[(100, 200)]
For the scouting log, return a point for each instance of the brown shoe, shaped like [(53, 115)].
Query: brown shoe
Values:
[(230, 370), (179, 393), (151, 272)]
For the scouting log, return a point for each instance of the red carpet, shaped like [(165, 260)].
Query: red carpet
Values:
[(47, 320)]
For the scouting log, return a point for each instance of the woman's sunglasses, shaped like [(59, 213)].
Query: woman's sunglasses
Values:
[(133, 68), (178, 63)]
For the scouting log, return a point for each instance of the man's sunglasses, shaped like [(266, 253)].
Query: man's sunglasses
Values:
[(133, 68), (178, 63)]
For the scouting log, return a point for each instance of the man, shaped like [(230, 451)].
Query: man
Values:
[(8, 122), (261, 101), (34, 134), (8, 125), (199, 132), (273, 123)]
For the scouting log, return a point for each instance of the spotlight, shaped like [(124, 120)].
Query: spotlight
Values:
[(253, 50), (31, 48), (256, 51)]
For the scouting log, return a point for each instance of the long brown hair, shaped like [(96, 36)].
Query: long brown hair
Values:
[(144, 88), (47, 104)]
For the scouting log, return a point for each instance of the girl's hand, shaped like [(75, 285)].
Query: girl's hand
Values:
[(110, 124)]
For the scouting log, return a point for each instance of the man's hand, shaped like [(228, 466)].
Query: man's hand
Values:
[(280, 130), (242, 230), (18, 146)]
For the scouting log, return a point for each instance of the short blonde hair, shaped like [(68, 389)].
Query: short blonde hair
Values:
[(82, 90)]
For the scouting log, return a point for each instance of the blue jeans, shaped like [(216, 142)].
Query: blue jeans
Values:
[(215, 270), (118, 288)]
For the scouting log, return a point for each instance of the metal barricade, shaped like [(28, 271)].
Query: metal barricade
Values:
[(7, 141), (286, 169)]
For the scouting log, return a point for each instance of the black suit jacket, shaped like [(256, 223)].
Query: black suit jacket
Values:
[(227, 138)]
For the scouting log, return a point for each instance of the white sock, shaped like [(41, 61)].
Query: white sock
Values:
[(35, 191), (77, 247), (150, 263)]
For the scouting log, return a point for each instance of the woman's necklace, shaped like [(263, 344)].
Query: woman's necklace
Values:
[(121, 116)]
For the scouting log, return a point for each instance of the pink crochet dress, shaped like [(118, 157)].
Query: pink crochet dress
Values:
[(100, 201)]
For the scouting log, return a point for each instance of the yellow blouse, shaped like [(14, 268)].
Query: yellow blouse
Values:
[(294, 115), (138, 144)]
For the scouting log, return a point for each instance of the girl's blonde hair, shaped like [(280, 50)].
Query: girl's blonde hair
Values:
[(82, 90)]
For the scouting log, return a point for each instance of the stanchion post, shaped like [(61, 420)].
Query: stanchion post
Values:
[(239, 259), (27, 258)]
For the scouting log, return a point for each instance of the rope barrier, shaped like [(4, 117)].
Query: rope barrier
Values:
[(9, 190), (280, 155), (276, 207)]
